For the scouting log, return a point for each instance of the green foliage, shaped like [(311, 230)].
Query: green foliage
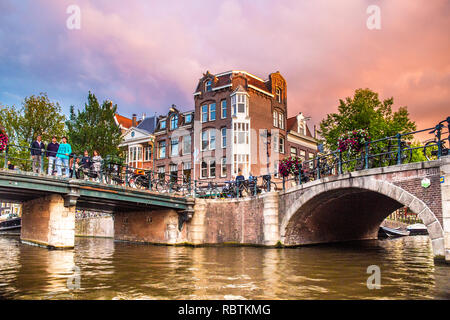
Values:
[(37, 116), (40, 116), (365, 111), (94, 128)]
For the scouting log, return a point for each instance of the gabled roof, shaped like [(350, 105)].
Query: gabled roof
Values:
[(148, 124), (122, 121)]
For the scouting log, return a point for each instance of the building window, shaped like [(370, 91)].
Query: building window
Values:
[(224, 137), (281, 145), (186, 144), (174, 122), (278, 94), (223, 167), (161, 172), (233, 105), (281, 120), (212, 112), (173, 173), (148, 153), (303, 155), (205, 113), (241, 164), (209, 139), (275, 119), (186, 171), (188, 118), (204, 170), (162, 149), (135, 154), (212, 169), (241, 133), (301, 127), (208, 86), (212, 139), (239, 104), (174, 147), (205, 140), (223, 104), (293, 152), (162, 124)]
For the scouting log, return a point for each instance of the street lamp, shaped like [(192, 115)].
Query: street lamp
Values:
[(267, 135)]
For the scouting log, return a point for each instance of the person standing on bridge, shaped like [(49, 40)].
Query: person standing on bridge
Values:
[(97, 164), (52, 150), (62, 157), (36, 153)]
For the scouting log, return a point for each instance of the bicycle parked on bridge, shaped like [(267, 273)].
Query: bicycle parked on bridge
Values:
[(437, 146)]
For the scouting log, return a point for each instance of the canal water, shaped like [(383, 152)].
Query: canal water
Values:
[(105, 269)]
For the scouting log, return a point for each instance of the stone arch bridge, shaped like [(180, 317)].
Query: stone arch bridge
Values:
[(345, 207)]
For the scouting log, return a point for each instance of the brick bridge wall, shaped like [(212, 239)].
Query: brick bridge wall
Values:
[(264, 220)]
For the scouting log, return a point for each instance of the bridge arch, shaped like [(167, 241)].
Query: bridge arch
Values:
[(351, 209)]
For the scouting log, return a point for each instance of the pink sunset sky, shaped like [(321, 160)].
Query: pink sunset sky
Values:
[(148, 55)]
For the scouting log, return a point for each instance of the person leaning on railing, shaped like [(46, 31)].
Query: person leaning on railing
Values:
[(97, 163), (62, 157)]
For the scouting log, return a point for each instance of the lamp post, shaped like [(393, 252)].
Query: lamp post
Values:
[(267, 135)]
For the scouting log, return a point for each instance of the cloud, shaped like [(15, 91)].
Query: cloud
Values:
[(147, 55)]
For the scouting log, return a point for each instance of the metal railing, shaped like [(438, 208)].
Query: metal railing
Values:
[(379, 153)]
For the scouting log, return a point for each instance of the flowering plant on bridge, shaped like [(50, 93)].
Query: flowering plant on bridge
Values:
[(3, 139), (353, 140), (289, 166)]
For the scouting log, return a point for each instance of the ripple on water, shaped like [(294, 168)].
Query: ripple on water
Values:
[(117, 270)]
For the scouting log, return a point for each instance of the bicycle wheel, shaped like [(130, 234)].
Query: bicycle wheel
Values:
[(430, 150), (141, 182), (160, 186)]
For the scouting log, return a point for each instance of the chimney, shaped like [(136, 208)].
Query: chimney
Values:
[(133, 120)]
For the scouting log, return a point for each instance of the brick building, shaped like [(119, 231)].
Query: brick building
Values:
[(235, 112), (239, 124)]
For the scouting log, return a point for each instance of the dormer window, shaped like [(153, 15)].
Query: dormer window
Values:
[(188, 118), (162, 124), (278, 94), (208, 85), (174, 122)]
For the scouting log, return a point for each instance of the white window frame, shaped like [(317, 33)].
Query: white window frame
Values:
[(185, 139), (209, 168), (174, 124), (223, 109), (211, 111), (223, 132), (201, 169), (147, 153), (171, 147), (208, 85), (223, 167), (159, 149), (204, 114), (278, 92), (275, 118), (281, 120), (281, 145)]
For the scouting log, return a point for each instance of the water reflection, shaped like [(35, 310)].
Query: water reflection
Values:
[(119, 270)]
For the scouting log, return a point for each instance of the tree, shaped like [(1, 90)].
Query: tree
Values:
[(94, 128), (39, 116), (365, 111)]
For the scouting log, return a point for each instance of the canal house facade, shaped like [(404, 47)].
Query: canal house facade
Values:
[(239, 125)]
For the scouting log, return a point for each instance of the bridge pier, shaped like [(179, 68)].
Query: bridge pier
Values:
[(48, 222), (160, 226)]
